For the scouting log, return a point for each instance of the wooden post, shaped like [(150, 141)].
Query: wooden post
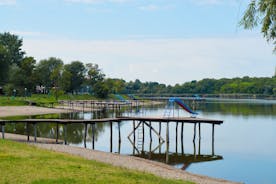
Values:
[(93, 136), (134, 137), (119, 138), (150, 145), (176, 137), (119, 132), (65, 133), (194, 132), (199, 130), (159, 137), (213, 139), (28, 132), (35, 132), (111, 132), (85, 134), (57, 132), (199, 138), (150, 132), (143, 138), (194, 149), (167, 143), (3, 130), (182, 141)]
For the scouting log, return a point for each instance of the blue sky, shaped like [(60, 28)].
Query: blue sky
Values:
[(169, 41)]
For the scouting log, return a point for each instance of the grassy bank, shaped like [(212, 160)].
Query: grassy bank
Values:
[(21, 163)]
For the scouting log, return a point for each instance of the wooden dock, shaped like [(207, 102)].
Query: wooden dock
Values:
[(118, 119), (137, 127)]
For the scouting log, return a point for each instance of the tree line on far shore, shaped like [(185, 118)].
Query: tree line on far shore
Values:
[(22, 75)]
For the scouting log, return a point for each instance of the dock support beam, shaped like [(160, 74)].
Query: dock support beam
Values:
[(111, 132), (159, 137), (199, 138), (57, 132), (176, 137), (150, 146), (213, 139), (85, 134), (119, 137), (28, 132), (167, 143), (134, 137), (65, 134), (93, 136), (194, 132), (3, 130), (35, 132), (182, 141)]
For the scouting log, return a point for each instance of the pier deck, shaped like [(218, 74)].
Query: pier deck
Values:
[(118, 119)]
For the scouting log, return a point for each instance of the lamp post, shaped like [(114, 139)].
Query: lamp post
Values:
[(14, 92), (25, 89)]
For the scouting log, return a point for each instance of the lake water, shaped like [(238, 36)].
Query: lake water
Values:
[(244, 146)]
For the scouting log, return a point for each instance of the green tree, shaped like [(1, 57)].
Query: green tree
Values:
[(77, 71), (65, 83), (22, 76), (261, 12), (44, 70), (101, 90), (56, 76), (94, 74), (4, 65), (115, 85), (13, 46)]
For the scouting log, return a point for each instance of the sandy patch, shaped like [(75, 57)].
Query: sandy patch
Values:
[(6, 111)]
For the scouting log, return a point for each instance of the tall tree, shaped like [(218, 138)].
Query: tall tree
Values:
[(262, 12), (44, 70), (13, 45), (94, 74), (77, 71), (4, 65), (24, 77)]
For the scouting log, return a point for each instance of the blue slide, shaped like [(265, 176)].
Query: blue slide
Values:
[(119, 97), (183, 105)]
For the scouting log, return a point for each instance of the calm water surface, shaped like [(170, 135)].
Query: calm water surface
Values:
[(244, 146)]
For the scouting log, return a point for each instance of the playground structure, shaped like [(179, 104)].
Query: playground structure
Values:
[(170, 107)]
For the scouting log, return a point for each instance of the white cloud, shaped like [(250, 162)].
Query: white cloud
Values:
[(164, 60), (7, 2), (28, 33)]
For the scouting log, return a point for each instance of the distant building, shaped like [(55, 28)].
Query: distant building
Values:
[(40, 89)]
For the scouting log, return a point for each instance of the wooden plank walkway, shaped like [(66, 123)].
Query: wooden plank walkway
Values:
[(119, 119)]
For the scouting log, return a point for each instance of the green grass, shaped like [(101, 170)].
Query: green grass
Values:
[(21, 163)]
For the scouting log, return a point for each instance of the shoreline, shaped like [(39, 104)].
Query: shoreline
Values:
[(129, 162), (124, 161)]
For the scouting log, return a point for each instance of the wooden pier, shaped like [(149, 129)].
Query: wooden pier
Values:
[(89, 105), (139, 124)]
